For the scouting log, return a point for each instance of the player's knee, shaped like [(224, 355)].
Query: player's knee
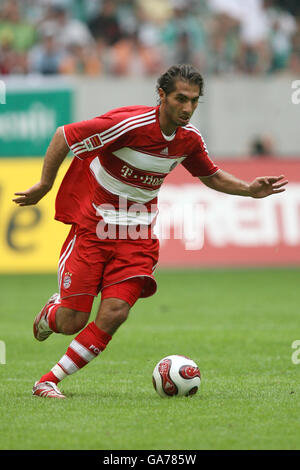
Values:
[(72, 321), (117, 310)]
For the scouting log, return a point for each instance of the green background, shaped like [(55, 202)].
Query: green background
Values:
[(29, 119)]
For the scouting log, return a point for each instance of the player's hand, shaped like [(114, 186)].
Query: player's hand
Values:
[(32, 195), (264, 186)]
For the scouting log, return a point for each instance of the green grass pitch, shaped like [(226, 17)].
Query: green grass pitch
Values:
[(238, 325)]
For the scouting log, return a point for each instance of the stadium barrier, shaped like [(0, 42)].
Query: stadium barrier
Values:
[(35, 105), (198, 227), (230, 230), (29, 118), (30, 239)]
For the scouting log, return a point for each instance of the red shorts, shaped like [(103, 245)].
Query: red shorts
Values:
[(118, 268)]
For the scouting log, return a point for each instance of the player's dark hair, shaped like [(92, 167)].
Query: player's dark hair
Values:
[(183, 72)]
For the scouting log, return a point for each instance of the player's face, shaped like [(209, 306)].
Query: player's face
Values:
[(178, 106)]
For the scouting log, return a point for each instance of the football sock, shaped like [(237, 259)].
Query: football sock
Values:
[(84, 348), (52, 309)]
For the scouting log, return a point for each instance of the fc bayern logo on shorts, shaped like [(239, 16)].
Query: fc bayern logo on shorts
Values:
[(67, 280)]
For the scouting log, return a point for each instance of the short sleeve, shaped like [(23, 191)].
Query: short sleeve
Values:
[(198, 162), (85, 137)]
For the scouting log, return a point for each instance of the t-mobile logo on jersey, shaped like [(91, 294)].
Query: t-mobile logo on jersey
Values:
[(2, 353), (2, 92), (137, 178)]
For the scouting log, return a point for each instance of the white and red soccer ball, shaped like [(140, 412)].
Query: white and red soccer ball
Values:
[(176, 376)]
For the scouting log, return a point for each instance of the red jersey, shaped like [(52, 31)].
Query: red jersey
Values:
[(124, 156)]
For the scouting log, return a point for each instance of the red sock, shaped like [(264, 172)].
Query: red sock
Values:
[(50, 377), (52, 309), (85, 347)]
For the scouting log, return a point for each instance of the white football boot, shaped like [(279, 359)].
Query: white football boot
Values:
[(41, 330), (46, 390)]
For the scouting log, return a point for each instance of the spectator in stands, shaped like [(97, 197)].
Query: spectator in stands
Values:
[(124, 37), (223, 42), (127, 17), (11, 61), (262, 147), (184, 36), (80, 60), (149, 53), (281, 25), (17, 36), (105, 27), (46, 58), (67, 29), (294, 61), (254, 52), (21, 33), (292, 6), (112, 43)]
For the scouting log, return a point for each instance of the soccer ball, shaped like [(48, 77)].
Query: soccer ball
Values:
[(176, 376)]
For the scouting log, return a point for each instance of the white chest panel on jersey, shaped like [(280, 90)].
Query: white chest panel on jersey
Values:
[(148, 162)]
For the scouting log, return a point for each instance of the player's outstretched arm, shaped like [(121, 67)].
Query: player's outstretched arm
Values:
[(55, 155), (262, 186)]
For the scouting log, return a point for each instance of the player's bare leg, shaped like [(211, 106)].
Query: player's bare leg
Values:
[(86, 346), (111, 314), (94, 338), (69, 322), (55, 318)]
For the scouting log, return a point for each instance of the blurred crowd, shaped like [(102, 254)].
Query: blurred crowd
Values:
[(143, 37)]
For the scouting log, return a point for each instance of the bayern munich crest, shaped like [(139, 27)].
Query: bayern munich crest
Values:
[(67, 280)]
